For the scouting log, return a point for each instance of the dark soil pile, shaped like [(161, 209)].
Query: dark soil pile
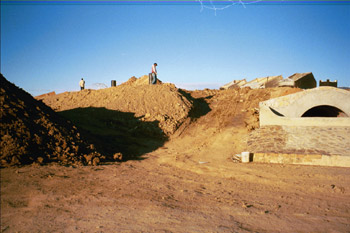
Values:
[(31, 132)]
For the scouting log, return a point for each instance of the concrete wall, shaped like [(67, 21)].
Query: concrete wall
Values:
[(286, 137), (302, 159), (304, 80), (328, 83), (312, 145)]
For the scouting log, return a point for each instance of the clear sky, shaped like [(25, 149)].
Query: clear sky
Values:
[(50, 47)]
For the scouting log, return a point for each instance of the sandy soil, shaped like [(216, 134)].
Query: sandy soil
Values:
[(158, 194), (177, 174)]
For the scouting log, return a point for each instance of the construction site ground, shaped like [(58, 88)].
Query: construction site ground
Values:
[(177, 172)]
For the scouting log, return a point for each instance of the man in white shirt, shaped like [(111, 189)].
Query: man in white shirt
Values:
[(82, 84), (153, 75)]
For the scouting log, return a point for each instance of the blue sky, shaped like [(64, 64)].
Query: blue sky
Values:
[(50, 47)]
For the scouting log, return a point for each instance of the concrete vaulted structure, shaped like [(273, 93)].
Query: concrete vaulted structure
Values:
[(311, 127), (322, 106)]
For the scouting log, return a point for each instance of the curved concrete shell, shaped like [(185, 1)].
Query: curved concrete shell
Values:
[(290, 109)]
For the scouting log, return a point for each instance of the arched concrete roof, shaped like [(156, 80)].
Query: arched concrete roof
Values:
[(295, 105)]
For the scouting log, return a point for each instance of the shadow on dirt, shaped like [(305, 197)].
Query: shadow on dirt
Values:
[(200, 106), (113, 131)]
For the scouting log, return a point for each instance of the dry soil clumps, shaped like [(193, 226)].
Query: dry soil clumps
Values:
[(163, 104), (144, 80), (33, 132)]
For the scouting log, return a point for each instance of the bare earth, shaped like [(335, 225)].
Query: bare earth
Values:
[(183, 181), (158, 194)]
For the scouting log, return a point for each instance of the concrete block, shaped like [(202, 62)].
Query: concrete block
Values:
[(302, 159)]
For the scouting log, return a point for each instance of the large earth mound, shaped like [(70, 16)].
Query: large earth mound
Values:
[(163, 104), (134, 118), (139, 118), (33, 132)]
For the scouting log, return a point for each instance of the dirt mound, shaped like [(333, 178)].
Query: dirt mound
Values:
[(132, 118), (202, 123), (220, 124), (234, 107), (144, 80), (33, 132), (163, 104)]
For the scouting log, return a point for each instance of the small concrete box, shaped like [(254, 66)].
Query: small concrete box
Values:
[(245, 157)]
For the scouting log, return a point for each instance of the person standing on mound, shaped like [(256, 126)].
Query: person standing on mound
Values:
[(82, 84), (153, 74)]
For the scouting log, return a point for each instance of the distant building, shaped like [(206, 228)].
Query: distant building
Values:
[(300, 80), (328, 83), (265, 82), (303, 80)]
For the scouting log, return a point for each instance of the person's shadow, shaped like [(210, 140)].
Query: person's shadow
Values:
[(113, 131)]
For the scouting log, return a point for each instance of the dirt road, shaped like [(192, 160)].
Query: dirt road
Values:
[(151, 195)]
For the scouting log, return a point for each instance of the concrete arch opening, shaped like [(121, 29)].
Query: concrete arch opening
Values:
[(324, 111), (322, 106)]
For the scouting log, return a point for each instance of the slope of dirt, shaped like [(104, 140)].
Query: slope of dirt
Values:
[(133, 118), (150, 103), (33, 132), (223, 130), (143, 80)]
